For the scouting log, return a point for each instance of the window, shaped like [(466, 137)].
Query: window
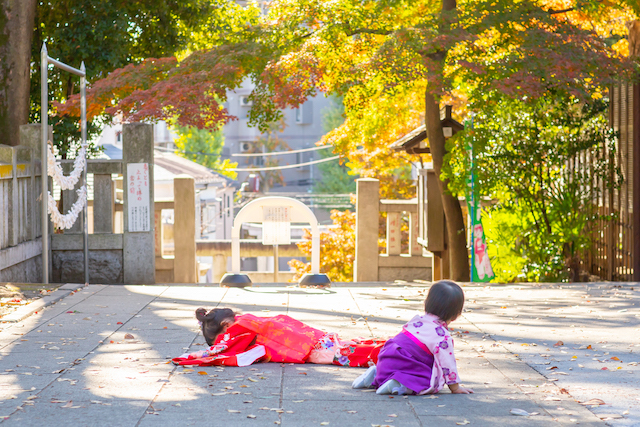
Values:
[(304, 114)]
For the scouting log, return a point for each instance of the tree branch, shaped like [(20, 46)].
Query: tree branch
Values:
[(368, 31), (557, 12)]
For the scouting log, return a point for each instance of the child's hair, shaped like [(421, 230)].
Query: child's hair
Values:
[(212, 322), (445, 300)]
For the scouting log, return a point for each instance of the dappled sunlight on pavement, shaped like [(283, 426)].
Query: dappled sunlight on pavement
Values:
[(106, 350)]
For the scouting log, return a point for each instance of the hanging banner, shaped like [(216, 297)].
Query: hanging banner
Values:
[(481, 270), (139, 214), (276, 225)]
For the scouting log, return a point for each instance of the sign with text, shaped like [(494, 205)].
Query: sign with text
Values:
[(276, 225), (139, 213)]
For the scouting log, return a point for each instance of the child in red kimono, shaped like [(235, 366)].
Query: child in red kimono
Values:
[(420, 359), (240, 340)]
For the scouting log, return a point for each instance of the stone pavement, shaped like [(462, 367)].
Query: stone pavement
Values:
[(70, 363)]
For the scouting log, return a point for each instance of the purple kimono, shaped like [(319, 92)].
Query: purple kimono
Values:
[(420, 357)]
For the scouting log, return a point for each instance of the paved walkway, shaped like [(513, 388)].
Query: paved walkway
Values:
[(536, 349)]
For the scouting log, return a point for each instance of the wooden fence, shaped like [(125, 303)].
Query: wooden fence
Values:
[(612, 255)]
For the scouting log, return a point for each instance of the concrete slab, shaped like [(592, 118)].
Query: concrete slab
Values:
[(131, 378)]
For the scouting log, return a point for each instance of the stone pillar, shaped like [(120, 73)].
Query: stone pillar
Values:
[(219, 267), (184, 231), (103, 204), (159, 234), (367, 217), (139, 262), (415, 248), (394, 235)]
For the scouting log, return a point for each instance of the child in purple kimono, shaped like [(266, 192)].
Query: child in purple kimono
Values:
[(420, 359)]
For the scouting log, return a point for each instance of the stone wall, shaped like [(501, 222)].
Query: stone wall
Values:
[(105, 266), (29, 271)]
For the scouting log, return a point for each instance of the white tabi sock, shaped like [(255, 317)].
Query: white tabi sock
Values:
[(393, 387), (365, 380)]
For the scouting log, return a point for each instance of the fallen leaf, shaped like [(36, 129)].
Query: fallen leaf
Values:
[(591, 402), (616, 358), (202, 373), (233, 411), (128, 337), (463, 423), (559, 343), (69, 404), (609, 416), (519, 412), (352, 412), (324, 423), (251, 416)]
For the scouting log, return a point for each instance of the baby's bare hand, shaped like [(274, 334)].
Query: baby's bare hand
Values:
[(462, 390)]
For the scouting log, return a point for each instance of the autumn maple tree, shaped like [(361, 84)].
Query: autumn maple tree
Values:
[(394, 62)]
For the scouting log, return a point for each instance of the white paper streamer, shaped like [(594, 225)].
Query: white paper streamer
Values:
[(66, 221), (55, 170)]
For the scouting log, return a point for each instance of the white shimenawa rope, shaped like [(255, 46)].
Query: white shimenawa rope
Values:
[(66, 221), (54, 170)]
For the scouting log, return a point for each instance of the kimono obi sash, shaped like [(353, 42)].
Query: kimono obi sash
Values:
[(417, 341)]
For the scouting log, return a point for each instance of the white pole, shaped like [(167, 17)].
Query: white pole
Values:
[(44, 111), (83, 129)]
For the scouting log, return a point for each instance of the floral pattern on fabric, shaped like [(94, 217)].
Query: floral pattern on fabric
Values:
[(330, 349), (434, 334)]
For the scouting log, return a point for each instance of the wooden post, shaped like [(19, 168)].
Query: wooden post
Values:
[(436, 228)]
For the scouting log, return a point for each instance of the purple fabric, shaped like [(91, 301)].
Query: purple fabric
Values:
[(402, 360)]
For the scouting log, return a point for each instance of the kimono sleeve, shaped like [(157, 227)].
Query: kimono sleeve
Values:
[(446, 358)]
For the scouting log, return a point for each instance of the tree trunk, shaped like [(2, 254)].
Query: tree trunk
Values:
[(456, 233), (16, 32)]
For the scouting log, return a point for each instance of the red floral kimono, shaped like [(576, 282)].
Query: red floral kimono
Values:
[(281, 339)]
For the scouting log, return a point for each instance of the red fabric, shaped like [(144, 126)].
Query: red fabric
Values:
[(224, 352), (285, 338), (362, 354)]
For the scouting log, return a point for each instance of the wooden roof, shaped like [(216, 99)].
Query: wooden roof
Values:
[(415, 142)]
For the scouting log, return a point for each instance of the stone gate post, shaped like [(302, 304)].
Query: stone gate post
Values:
[(367, 216), (139, 262)]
